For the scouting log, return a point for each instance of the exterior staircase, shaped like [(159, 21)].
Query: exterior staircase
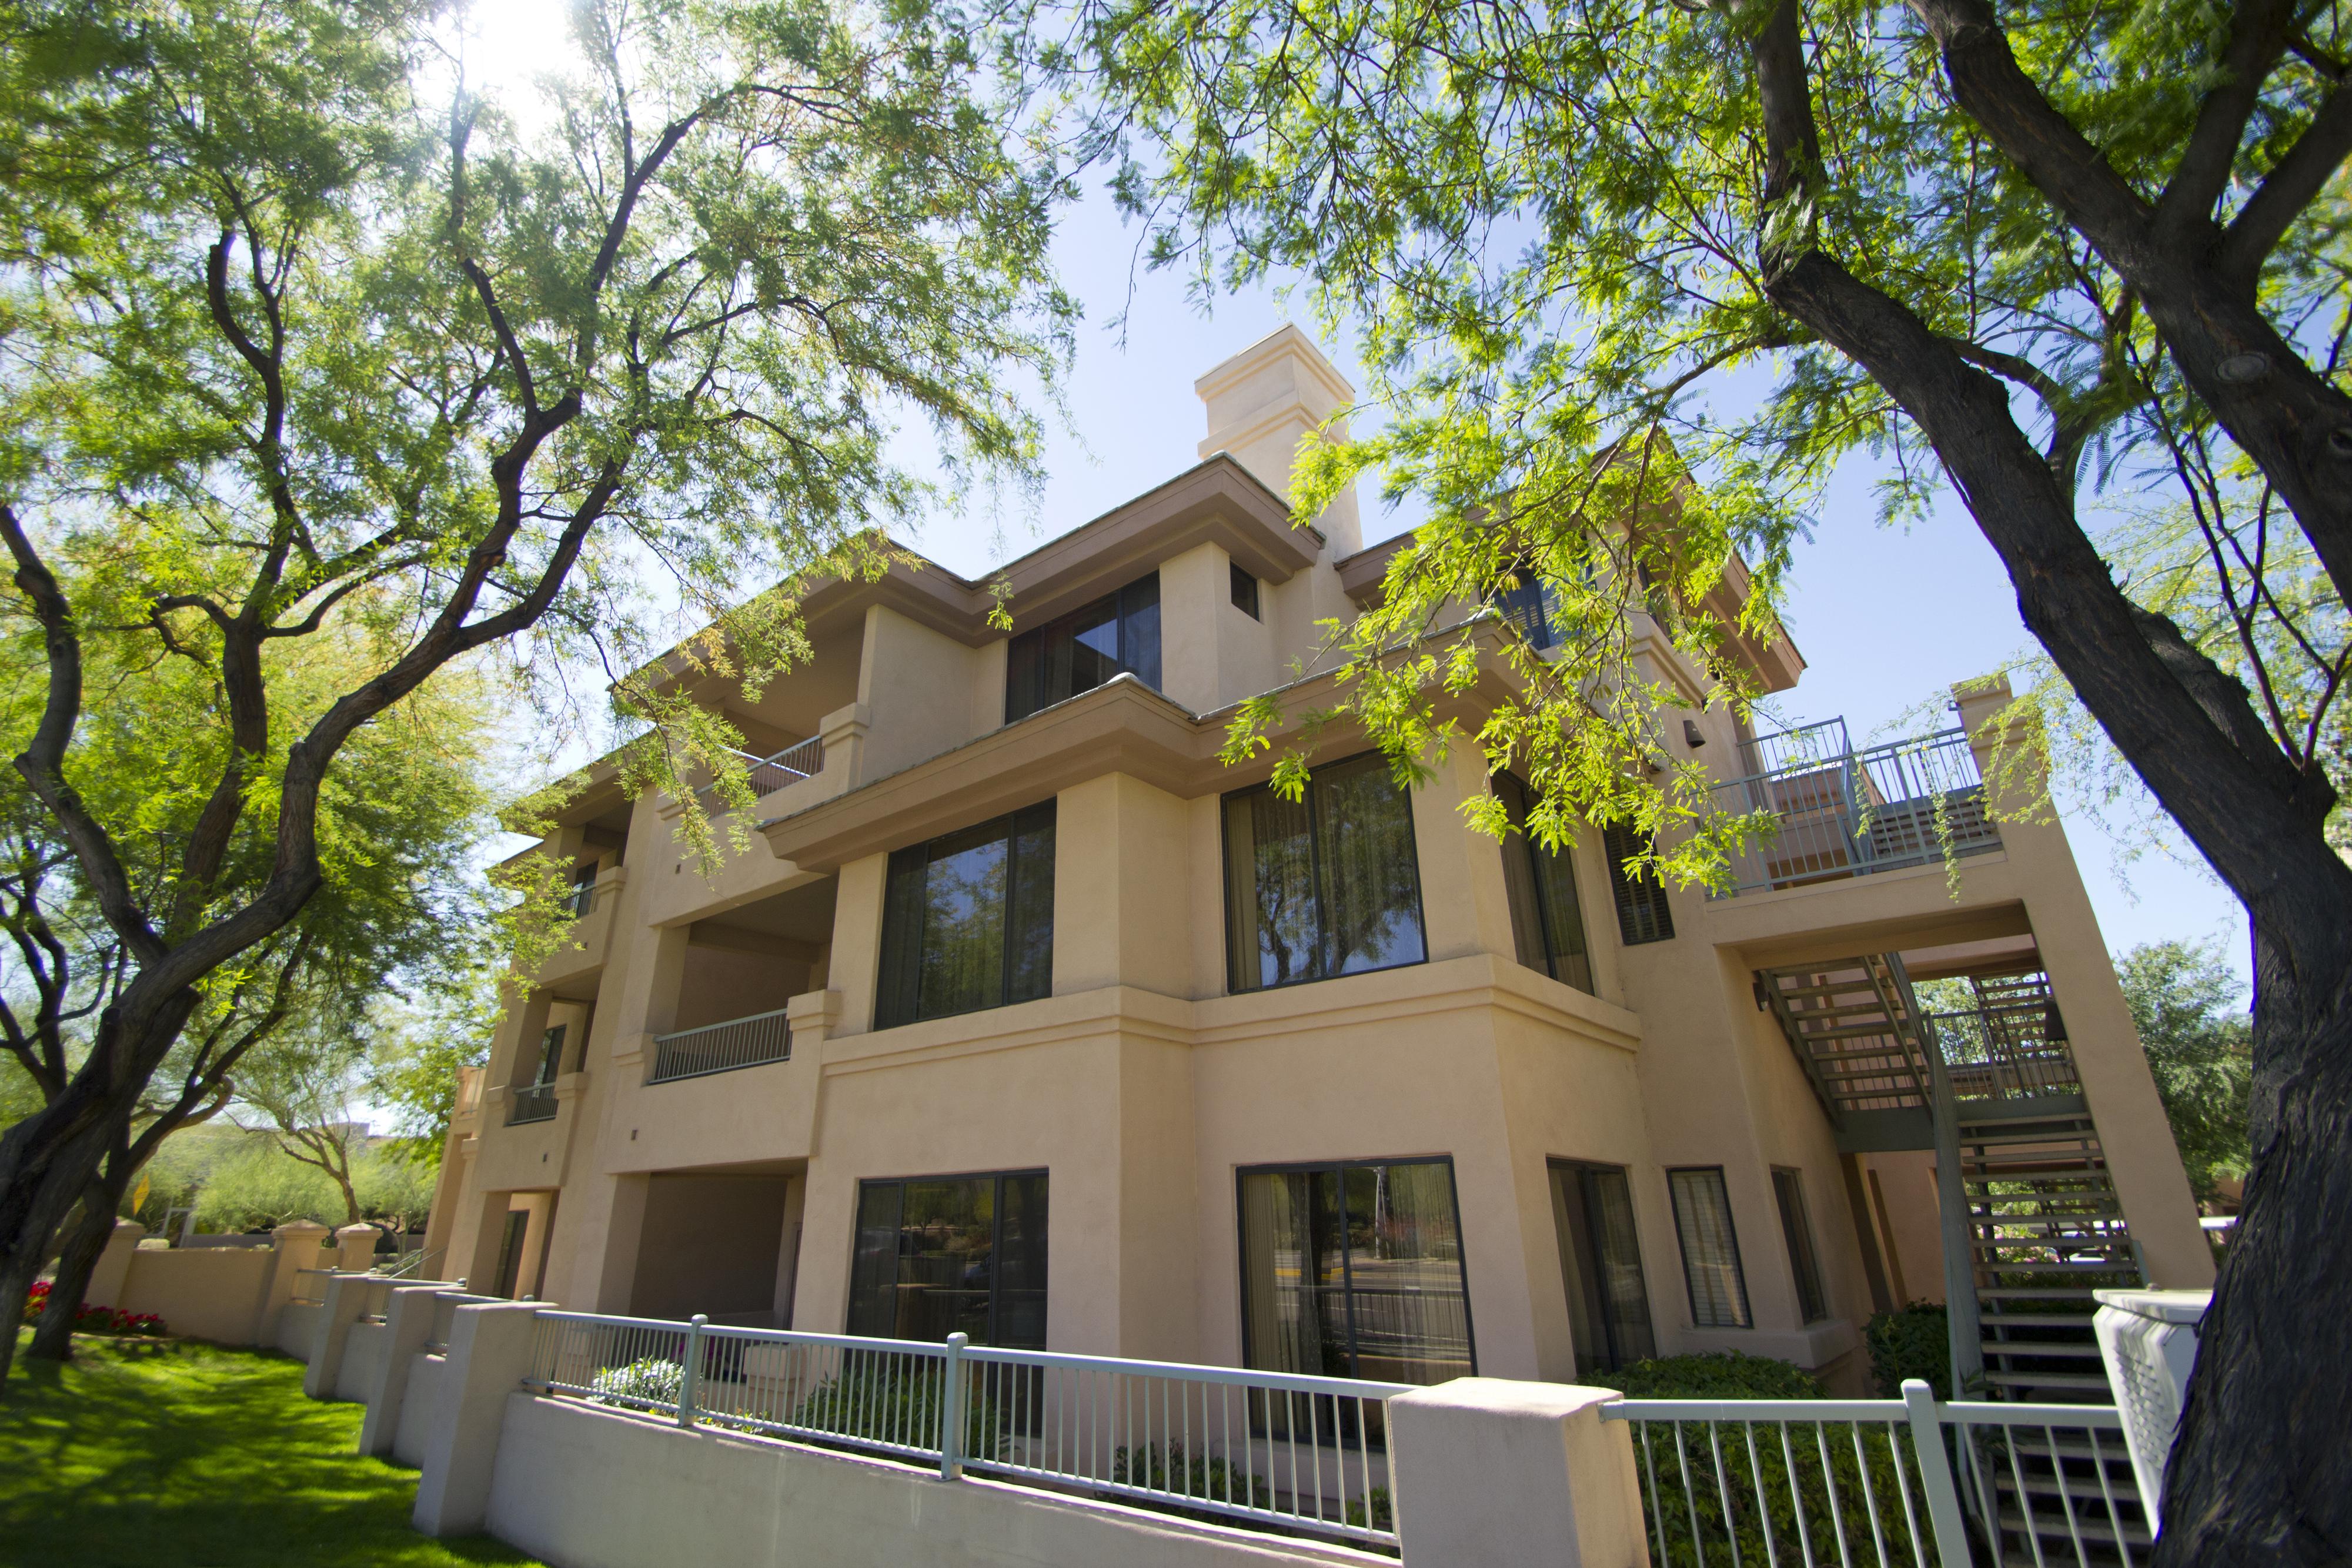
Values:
[(2032, 1227)]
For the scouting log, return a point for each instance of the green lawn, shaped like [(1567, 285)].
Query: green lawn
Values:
[(165, 1454)]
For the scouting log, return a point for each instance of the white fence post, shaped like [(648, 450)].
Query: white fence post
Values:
[(690, 1377), (1935, 1473), (952, 1409)]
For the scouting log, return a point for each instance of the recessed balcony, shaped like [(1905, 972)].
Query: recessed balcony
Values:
[(751, 1042), (1838, 813)]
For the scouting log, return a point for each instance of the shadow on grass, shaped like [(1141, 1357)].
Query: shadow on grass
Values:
[(173, 1454)]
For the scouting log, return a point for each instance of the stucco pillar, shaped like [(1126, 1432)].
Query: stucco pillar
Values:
[(407, 1325), (1464, 904), (344, 1294), (489, 1353), (297, 1245), (1121, 886), (1496, 1474), (1192, 588), (355, 1248), (113, 1269)]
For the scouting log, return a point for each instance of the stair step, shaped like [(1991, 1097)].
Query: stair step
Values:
[(2036, 1319), (2037, 1347), (2097, 1380)]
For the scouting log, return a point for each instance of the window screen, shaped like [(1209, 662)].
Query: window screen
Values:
[(1797, 1228), (967, 920), (1601, 1264), (1325, 886), (1117, 634), (1641, 911), (951, 1255), (1545, 919), (1718, 1292)]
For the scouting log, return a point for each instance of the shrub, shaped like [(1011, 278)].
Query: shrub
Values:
[(1913, 1343), (1727, 1375), (900, 1405), (647, 1384), (1192, 1475)]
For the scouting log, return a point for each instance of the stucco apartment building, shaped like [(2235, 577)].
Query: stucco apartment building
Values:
[(1024, 1016)]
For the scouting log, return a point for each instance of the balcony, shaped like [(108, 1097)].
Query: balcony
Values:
[(532, 1102), (1838, 813), (751, 1041), (767, 774)]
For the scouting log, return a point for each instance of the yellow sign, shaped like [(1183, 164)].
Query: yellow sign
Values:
[(138, 1198)]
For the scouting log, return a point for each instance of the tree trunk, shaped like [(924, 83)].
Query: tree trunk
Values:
[(2261, 1471), (37, 1203), (85, 1239)]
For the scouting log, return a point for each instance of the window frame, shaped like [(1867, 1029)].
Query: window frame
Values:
[(1314, 850), (1615, 1356), (883, 974), (1348, 1263), (1644, 914), (1731, 1230), (1125, 659), (1246, 585), (552, 1039), (995, 1241), (1530, 851), (1804, 1250)]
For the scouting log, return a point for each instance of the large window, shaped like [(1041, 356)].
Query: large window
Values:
[(1641, 911), (1797, 1229), (967, 920), (1355, 1271), (1545, 919), (1117, 634), (946, 1255), (1719, 1291), (1321, 886), (1600, 1263)]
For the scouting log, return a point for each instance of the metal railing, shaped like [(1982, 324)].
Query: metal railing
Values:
[(1854, 812), (532, 1103), (721, 1047), (1301, 1453), (311, 1286), (2005, 1052), (1911, 1481), (766, 775)]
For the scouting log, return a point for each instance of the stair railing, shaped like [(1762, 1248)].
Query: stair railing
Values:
[(1966, 1331)]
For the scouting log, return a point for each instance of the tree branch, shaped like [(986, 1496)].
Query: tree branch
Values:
[(2288, 190)]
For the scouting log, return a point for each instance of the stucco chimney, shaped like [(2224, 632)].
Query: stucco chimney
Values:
[(1262, 402)]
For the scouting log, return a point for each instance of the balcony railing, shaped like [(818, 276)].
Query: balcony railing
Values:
[(721, 1047), (1838, 813), (768, 774), (2011, 1046), (532, 1103)]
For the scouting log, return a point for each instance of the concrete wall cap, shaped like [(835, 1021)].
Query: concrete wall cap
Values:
[(1509, 1396)]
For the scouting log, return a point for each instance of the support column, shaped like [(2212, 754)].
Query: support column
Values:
[(407, 1325), (489, 1353), (1496, 1474)]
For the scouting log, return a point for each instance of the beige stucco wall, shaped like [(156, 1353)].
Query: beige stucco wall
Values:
[(423, 1408), (595, 1488), (207, 1293)]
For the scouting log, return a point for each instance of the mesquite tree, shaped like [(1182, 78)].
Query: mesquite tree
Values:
[(303, 333), (2055, 254)]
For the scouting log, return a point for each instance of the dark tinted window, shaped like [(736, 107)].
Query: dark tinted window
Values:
[(1641, 911), (1548, 924), (1601, 1264), (1326, 885), (948, 1255), (967, 920), (1711, 1271), (1118, 633), (1797, 1229), (1245, 592), (1355, 1271)]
